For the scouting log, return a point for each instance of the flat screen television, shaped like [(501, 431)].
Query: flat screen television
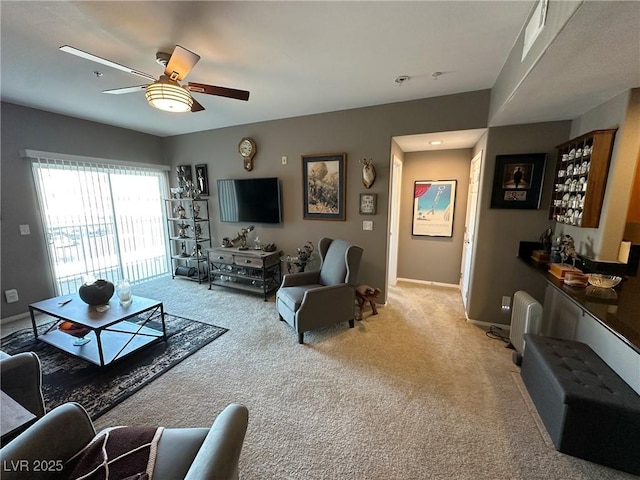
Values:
[(255, 200)]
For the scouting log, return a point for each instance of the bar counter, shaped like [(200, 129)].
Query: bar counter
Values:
[(617, 309)]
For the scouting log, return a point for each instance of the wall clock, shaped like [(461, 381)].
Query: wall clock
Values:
[(247, 149)]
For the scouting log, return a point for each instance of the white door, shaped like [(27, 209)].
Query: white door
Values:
[(470, 226), (394, 220)]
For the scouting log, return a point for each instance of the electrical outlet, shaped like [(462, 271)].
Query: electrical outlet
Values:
[(25, 230), (367, 225), (11, 295), (506, 302)]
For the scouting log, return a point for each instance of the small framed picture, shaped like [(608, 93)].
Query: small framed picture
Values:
[(368, 203), (183, 173), (202, 179), (517, 181)]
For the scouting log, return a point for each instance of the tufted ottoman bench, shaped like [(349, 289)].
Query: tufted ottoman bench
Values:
[(588, 410)]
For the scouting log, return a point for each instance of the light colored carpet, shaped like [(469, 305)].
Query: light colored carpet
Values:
[(415, 392)]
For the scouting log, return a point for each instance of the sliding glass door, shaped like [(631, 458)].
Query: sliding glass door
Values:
[(104, 221)]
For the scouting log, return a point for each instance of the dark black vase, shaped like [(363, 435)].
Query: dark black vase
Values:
[(96, 293)]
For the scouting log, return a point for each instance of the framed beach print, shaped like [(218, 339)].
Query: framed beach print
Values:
[(368, 203), (202, 179), (433, 205), (517, 181), (324, 186)]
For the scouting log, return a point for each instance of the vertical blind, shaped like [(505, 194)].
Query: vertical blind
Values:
[(101, 221)]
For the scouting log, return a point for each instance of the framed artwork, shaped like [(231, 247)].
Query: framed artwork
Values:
[(202, 179), (433, 205), (183, 172), (324, 185), (517, 181), (368, 203)]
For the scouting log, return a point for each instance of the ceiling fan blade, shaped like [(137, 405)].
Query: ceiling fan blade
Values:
[(104, 61), (196, 107), (219, 91), (118, 91), (180, 63)]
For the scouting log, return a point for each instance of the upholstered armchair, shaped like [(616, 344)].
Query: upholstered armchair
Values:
[(316, 299), (21, 379), (184, 453)]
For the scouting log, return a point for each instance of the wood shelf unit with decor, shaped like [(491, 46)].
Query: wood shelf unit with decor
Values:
[(253, 271), (189, 235), (581, 178)]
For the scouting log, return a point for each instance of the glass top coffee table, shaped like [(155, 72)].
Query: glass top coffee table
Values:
[(112, 334)]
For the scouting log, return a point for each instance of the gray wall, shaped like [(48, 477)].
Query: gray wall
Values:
[(622, 112), (25, 265), (497, 271), (433, 259), (364, 132)]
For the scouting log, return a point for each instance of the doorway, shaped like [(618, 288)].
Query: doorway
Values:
[(394, 220), (470, 226)]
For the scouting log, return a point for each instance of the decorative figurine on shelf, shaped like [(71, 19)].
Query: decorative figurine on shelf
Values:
[(180, 211), (568, 250), (257, 244), (546, 240), (227, 243), (197, 251), (269, 247), (183, 250), (196, 210), (182, 230), (197, 230)]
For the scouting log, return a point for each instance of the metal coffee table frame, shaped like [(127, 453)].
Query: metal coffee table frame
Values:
[(111, 336)]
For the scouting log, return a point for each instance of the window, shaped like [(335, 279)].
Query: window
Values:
[(101, 220)]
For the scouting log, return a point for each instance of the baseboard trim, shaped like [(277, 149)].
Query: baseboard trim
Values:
[(14, 318), (489, 324), (425, 282)]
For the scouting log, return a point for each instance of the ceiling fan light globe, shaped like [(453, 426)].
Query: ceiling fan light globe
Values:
[(169, 97)]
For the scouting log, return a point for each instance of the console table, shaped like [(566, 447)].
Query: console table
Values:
[(253, 271)]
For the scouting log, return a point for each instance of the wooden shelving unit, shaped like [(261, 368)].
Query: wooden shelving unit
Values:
[(248, 270), (581, 178)]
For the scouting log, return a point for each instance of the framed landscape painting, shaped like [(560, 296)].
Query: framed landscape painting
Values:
[(433, 204), (324, 186)]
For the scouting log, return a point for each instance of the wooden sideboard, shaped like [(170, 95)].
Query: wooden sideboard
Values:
[(249, 270)]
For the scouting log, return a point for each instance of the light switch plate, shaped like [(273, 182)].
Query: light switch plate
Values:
[(11, 295), (367, 225), (25, 230)]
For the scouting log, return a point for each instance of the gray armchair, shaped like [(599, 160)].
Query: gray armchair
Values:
[(185, 453), (21, 379), (311, 300)]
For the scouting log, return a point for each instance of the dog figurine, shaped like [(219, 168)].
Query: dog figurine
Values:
[(364, 294)]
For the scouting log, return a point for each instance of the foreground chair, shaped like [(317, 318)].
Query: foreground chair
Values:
[(182, 453), (310, 300), (21, 379)]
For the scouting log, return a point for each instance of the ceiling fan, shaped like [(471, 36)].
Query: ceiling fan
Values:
[(166, 93)]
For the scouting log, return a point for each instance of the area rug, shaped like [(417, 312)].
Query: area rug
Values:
[(66, 378)]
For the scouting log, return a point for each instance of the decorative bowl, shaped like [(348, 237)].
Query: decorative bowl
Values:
[(96, 293), (604, 281)]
